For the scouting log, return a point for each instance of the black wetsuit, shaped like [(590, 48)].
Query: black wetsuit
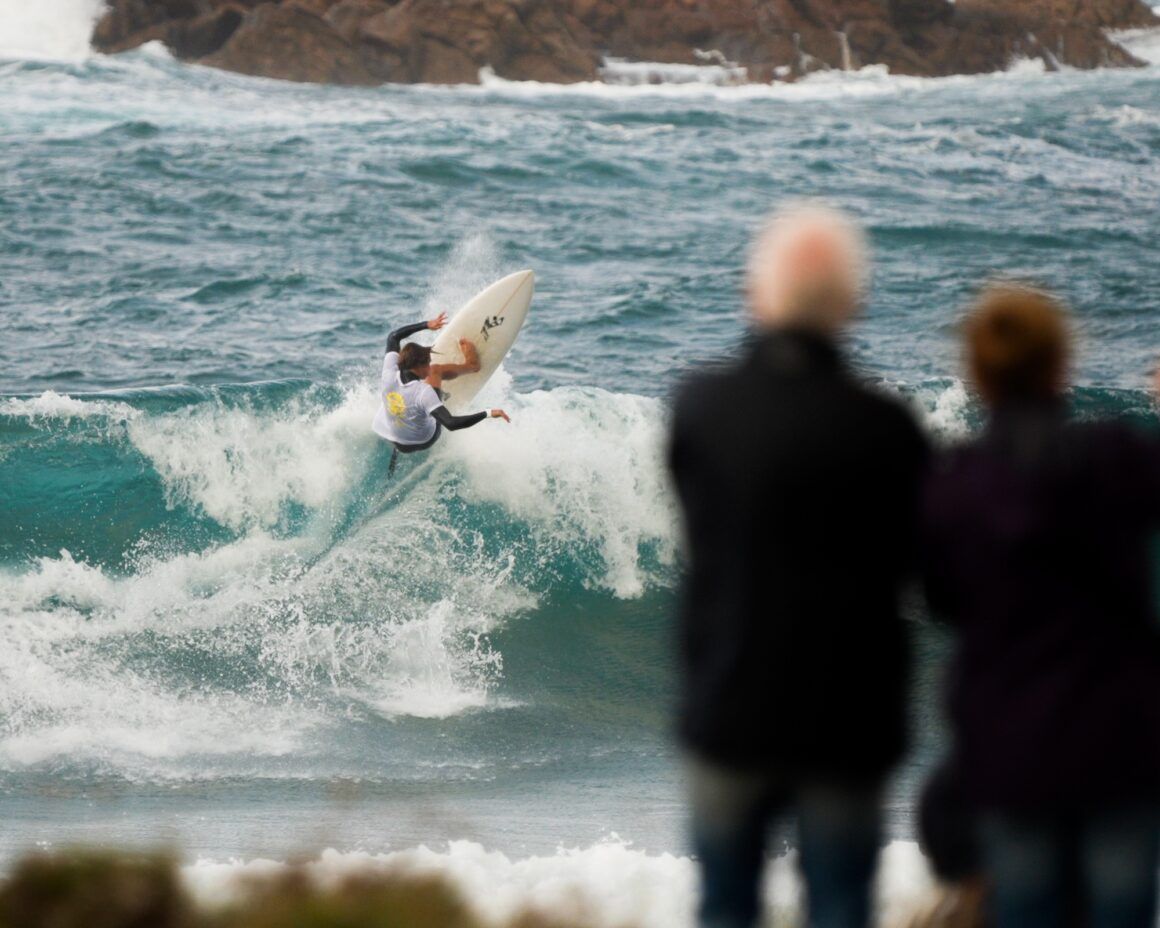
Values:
[(443, 418)]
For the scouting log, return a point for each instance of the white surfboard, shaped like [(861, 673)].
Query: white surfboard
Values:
[(491, 320)]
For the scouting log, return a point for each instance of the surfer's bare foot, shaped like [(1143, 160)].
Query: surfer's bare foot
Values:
[(500, 414), (438, 322)]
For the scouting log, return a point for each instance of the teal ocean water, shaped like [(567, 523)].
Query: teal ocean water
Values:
[(226, 629)]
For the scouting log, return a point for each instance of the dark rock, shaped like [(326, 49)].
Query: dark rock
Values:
[(1105, 14), (129, 23), (347, 16), (1059, 33), (449, 41), (912, 14), (294, 44), (196, 38)]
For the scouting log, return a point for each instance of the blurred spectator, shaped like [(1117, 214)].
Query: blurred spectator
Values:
[(799, 487), (1038, 538)]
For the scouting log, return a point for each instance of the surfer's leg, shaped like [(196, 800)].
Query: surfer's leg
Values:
[(411, 449), (394, 460)]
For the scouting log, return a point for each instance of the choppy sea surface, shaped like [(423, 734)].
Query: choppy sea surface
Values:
[(225, 627)]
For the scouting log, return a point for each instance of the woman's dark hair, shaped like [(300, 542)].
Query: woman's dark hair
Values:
[(413, 356), (1017, 344)]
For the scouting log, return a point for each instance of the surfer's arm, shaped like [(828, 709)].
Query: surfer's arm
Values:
[(395, 339), (469, 365), (454, 423)]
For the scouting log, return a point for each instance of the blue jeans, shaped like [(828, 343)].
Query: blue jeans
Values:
[(1098, 869), (838, 840)]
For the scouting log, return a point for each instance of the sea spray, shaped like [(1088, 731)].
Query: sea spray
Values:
[(473, 263), (55, 30), (243, 466), (585, 466)]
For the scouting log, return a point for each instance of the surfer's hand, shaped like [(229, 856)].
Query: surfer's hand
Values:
[(470, 356), (438, 322), (500, 414)]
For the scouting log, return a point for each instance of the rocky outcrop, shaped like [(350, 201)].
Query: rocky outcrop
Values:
[(562, 41), (294, 43), (990, 34), (448, 41)]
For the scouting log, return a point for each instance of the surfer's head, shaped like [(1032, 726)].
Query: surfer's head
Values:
[(415, 359), (807, 269), (1017, 344)]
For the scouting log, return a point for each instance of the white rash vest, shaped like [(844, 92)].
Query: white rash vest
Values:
[(404, 415)]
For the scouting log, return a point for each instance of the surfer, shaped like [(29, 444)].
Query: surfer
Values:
[(411, 415)]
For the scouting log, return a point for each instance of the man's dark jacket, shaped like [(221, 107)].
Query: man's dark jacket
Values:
[(1038, 547), (799, 488)]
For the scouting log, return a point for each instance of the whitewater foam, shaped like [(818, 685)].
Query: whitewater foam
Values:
[(51, 407), (54, 30), (608, 884), (380, 597), (636, 73), (243, 467), (585, 467), (944, 409), (84, 680), (442, 664), (1143, 43), (1125, 116), (867, 82)]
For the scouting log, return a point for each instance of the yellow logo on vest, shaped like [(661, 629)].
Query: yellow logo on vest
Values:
[(396, 405)]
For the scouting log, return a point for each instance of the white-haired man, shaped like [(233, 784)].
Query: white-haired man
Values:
[(799, 488)]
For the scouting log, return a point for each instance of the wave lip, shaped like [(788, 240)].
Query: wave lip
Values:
[(51, 406)]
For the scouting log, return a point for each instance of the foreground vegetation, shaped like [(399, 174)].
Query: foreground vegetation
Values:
[(91, 889)]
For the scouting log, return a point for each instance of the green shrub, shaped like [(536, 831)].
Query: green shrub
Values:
[(94, 889), (370, 901)]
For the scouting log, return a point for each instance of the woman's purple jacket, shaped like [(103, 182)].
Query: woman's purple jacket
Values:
[(1038, 549)]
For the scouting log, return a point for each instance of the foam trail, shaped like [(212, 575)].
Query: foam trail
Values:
[(608, 884), (54, 30)]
